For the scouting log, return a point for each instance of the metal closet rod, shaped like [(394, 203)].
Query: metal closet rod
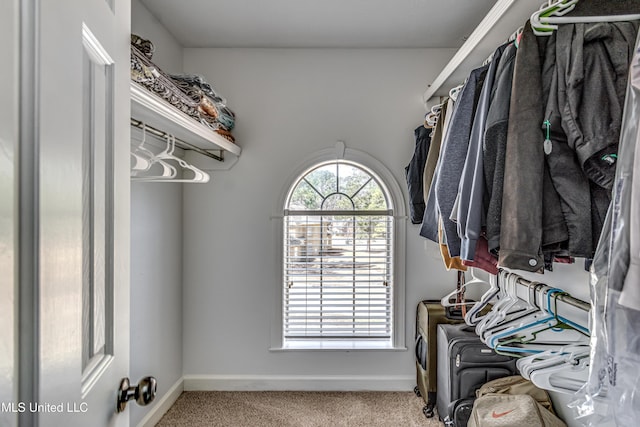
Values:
[(575, 302), (179, 142)]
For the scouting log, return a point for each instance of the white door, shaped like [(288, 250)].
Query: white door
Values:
[(74, 216), (8, 144)]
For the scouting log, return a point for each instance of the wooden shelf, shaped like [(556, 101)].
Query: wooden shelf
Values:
[(154, 111), (503, 19)]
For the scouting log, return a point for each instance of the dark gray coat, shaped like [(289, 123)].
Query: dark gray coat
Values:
[(531, 213), (493, 149)]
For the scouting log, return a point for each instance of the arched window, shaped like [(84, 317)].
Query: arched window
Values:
[(338, 248)]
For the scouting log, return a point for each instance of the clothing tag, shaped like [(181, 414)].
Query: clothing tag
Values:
[(547, 142)]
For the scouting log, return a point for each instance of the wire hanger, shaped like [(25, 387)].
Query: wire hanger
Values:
[(546, 20)]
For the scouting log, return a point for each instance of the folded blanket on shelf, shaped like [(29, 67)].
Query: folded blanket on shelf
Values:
[(147, 74), (210, 102)]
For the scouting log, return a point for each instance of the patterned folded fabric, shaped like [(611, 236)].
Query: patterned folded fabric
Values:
[(190, 94), (147, 74), (196, 81), (143, 45), (210, 103)]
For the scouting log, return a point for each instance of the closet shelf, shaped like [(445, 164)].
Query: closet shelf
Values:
[(503, 19), (154, 111)]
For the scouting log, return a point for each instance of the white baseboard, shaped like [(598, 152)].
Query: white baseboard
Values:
[(298, 383), (163, 405)]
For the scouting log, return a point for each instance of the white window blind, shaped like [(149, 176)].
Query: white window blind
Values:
[(338, 234)]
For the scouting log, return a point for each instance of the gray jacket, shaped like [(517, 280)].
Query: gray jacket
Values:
[(471, 190), (531, 213), (453, 155)]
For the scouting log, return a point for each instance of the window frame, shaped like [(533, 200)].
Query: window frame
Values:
[(395, 201)]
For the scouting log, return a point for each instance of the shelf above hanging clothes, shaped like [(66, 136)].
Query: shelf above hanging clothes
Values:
[(496, 27), (149, 108)]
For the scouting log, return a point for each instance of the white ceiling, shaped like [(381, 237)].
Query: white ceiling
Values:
[(320, 23)]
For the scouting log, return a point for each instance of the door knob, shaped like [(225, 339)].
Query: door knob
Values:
[(143, 393)]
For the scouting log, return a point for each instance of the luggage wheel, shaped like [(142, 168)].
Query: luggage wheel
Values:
[(416, 390), (428, 411)]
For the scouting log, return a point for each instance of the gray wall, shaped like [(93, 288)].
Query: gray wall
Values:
[(156, 253), (290, 104), (168, 53)]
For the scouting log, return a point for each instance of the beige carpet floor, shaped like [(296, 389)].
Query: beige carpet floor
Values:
[(297, 409)]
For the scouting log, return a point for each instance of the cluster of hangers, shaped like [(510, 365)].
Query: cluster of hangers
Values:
[(546, 20), (543, 22), (525, 322), (164, 166)]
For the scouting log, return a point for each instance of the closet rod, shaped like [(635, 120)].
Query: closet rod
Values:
[(180, 143), (574, 302)]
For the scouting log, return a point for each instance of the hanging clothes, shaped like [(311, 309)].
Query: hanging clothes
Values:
[(531, 215), (429, 228), (614, 279), (593, 128), (449, 262), (566, 174), (414, 173), (453, 155), (494, 146), (434, 153), (471, 213)]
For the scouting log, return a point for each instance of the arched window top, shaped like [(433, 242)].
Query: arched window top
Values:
[(338, 186)]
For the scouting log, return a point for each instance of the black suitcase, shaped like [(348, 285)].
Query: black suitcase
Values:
[(429, 314), (459, 412), (464, 364)]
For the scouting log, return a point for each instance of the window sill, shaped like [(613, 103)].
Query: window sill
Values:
[(337, 345)]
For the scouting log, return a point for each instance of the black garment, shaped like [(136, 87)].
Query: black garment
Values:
[(493, 149), (531, 212), (583, 69), (593, 65), (414, 172)]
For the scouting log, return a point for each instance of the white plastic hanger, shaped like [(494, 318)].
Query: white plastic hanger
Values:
[(473, 317), (139, 163), (508, 309), (546, 20), (567, 377), (140, 155), (168, 171), (167, 154), (445, 301), (431, 119), (547, 329), (564, 354), (455, 91)]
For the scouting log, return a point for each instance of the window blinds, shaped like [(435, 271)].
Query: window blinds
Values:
[(337, 274)]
